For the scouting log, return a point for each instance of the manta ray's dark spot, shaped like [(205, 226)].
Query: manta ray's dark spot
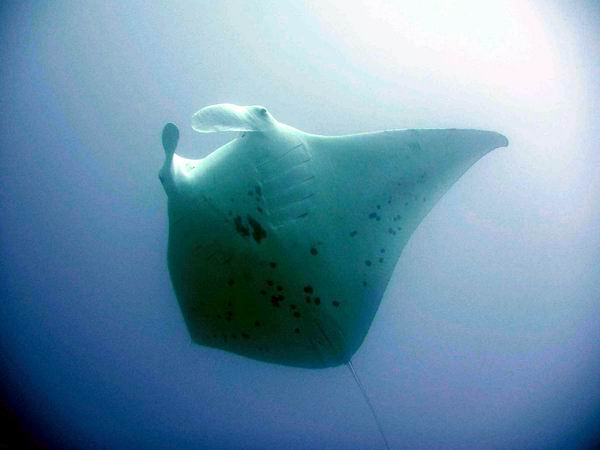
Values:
[(231, 282), (230, 213), (297, 314), (308, 289), (375, 216), (391, 231), (258, 232), (272, 265), (317, 301), (240, 227), (296, 330), (313, 251), (353, 233), (378, 206), (335, 303), (275, 301), (405, 203), (263, 292), (259, 209), (368, 262), (364, 284), (258, 190), (257, 324), (424, 199), (270, 282), (382, 250), (251, 194), (280, 288), (292, 306), (245, 335), (414, 146), (307, 299), (380, 260)]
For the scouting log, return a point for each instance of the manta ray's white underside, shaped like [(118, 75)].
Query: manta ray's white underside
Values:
[(281, 243)]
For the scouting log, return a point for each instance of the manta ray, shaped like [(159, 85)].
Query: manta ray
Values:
[(282, 243)]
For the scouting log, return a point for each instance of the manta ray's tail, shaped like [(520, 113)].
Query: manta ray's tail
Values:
[(366, 397)]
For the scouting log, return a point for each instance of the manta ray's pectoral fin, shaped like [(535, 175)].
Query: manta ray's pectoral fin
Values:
[(374, 189), (390, 180)]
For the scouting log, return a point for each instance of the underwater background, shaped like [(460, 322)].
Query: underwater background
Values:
[(489, 333)]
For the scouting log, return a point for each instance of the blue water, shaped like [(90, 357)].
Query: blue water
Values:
[(488, 336)]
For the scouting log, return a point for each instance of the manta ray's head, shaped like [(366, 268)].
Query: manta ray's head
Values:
[(210, 119)]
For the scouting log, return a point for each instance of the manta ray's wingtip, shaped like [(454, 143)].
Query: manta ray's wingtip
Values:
[(493, 140), (501, 140), (504, 142)]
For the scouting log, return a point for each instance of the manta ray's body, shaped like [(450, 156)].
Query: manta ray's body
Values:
[(281, 243)]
